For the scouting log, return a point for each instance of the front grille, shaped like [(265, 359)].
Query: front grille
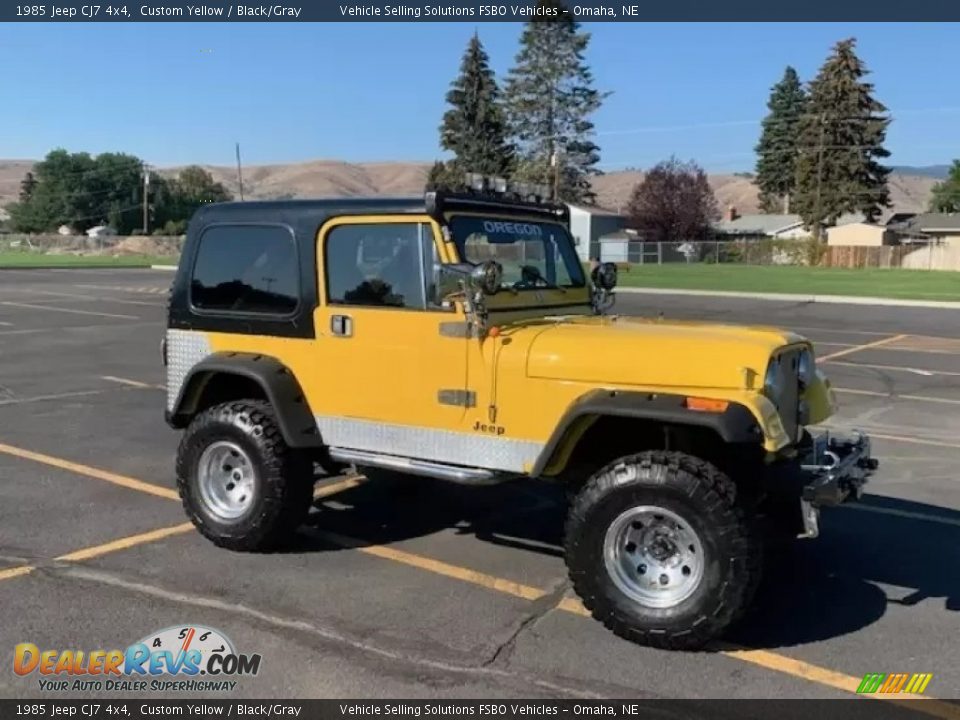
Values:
[(786, 369)]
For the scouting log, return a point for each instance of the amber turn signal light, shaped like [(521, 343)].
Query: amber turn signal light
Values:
[(706, 405)]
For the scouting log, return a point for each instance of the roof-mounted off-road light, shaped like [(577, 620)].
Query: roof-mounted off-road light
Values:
[(541, 191), (476, 181), (499, 185)]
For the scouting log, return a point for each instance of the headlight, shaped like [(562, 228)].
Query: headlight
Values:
[(805, 369), (771, 382)]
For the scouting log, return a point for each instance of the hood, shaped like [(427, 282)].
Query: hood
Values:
[(635, 351)]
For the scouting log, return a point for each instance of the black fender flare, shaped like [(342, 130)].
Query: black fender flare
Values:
[(279, 384), (736, 424)]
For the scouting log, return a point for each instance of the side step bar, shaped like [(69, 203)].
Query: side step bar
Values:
[(453, 473)]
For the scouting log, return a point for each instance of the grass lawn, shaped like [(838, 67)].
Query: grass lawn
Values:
[(30, 259), (873, 282)]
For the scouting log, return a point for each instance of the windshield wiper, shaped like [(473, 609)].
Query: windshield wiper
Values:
[(534, 275)]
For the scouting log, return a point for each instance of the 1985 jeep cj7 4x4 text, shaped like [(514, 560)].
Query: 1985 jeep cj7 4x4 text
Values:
[(458, 337)]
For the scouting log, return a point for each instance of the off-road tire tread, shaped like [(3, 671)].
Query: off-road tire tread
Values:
[(700, 481), (286, 477)]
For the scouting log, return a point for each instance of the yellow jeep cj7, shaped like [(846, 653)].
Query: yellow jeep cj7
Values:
[(457, 336)]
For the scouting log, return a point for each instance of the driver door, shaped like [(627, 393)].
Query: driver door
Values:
[(390, 376)]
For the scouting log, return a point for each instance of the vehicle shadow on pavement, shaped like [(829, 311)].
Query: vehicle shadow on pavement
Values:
[(832, 586), (815, 590), (524, 515)]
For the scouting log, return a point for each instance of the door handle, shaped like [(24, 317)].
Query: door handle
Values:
[(341, 325)]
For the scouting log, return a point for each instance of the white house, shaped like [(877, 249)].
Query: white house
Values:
[(778, 227), (588, 224)]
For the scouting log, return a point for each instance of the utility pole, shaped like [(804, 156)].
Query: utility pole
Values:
[(239, 173), (146, 191), (555, 162)]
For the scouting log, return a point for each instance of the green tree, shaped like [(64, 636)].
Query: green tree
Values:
[(61, 194), (549, 98), (841, 142), (115, 190), (444, 176), (777, 150), (27, 186), (177, 199), (946, 194), (474, 129)]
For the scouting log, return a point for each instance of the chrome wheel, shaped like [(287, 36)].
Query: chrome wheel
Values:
[(653, 556), (226, 479)]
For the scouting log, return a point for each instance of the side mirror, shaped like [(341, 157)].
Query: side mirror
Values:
[(604, 276)]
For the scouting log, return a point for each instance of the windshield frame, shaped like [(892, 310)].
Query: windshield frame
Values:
[(559, 237)]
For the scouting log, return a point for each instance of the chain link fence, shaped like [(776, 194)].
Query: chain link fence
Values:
[(930, 255)]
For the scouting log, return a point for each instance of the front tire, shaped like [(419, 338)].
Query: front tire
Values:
[(659, 552), (240, 484)]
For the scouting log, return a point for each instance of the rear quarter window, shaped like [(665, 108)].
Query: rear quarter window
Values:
[(246, 269)]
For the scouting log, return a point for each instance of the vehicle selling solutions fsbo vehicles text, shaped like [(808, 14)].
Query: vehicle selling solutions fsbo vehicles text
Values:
[(409, 11)]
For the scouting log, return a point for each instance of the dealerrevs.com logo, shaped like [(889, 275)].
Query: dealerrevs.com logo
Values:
[(188, 658)]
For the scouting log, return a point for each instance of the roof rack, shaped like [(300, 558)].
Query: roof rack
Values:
[(495, 192)]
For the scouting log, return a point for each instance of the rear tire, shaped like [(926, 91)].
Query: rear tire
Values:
[(659, 551), (240, 484)]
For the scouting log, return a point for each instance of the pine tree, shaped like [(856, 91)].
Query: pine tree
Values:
[(841, 141), (777, 149), (444, 176), (549, 98), (474, 129)]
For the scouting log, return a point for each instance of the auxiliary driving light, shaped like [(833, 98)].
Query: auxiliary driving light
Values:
[(476, 181), (499, 184)]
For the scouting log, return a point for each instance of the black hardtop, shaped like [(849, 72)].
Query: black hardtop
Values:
[(304, 219), (307, 215), (308, 211)]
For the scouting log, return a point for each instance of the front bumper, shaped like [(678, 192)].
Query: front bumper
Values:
[(835, 470)]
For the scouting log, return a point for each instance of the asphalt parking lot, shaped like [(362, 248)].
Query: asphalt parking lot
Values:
[(444, 591)]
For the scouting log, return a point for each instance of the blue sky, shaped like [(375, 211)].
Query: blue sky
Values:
[(176, 93)]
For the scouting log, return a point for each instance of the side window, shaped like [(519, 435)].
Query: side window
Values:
[(377, 265), (246, 268)]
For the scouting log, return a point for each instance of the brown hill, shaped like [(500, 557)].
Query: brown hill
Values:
[(319, 178), (908, 193)]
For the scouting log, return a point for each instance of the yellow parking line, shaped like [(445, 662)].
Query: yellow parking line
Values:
[(337, 487), (491, 582), (763, 658), (915, 441), (898, 368), (132, 383), (104, 549), (122, 480), (72, 311), (840, 681), (920, 398), (126, 542), (865, 346), (16, 571)]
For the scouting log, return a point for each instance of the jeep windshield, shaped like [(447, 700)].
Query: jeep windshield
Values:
[(535, 255)]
